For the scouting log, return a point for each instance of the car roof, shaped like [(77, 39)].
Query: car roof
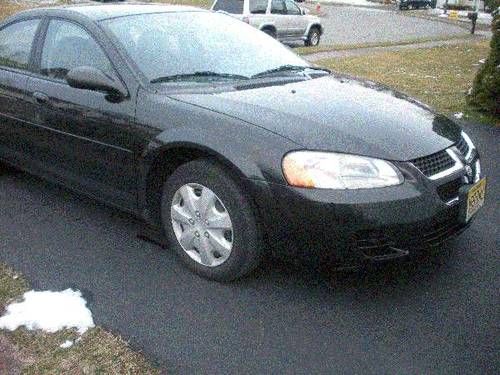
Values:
[(102, 11)]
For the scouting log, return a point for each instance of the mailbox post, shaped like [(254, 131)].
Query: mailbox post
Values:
[(473, 16)]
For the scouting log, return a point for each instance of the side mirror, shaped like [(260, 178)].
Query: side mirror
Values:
[(87, 78), (303, 11)]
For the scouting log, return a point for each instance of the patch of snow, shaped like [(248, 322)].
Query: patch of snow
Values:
[(49, 311), (66, 344), (482, 17), (458, 115)]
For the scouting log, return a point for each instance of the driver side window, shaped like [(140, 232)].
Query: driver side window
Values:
[(292, 9), (69, 46)]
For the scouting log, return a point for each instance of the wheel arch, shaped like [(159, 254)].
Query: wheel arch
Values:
[(163, 159), (314, 25), (268, 26)]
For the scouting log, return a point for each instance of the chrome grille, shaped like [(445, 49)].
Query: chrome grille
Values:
[(435, 163)]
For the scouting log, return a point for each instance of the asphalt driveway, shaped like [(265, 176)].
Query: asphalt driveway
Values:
[(436, 315), (350, 25)]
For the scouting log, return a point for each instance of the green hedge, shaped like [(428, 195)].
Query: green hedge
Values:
[(485, 94), (492, 4)]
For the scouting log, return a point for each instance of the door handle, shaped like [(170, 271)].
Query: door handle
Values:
[(40, 98)]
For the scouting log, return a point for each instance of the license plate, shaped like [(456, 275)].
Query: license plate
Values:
[(475, 199)]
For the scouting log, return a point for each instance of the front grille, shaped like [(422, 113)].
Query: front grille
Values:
[(435, 163), (441, 233), (376, 246), (449, 190), (394, 242), (436, 234), (462, 146)]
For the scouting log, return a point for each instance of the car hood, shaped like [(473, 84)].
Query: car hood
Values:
[(337, 113)]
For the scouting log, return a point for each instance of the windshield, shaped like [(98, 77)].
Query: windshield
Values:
[(183, 44)]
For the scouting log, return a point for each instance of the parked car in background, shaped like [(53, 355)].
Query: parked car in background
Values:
[(281, 19), (417, 4)]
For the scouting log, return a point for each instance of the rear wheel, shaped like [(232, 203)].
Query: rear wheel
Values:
[(313, 37), (210, 221), (270, 32)]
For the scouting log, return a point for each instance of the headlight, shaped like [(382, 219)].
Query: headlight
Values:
[(470, 145), (327, 170)]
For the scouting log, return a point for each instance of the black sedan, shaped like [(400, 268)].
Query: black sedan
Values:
[(224, 142)]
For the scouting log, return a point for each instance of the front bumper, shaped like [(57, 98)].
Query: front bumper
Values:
[(362, 225)]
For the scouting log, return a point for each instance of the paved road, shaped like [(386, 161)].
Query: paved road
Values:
[(348, 25), (437, 315)]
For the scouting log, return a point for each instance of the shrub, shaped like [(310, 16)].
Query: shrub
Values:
[(492, 4), (485, 94)]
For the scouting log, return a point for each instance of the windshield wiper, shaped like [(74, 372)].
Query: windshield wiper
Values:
[(289, 68), (208, 74)]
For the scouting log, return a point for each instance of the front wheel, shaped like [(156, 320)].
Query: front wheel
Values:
[(313, 37), (5, 168), (210, 221)]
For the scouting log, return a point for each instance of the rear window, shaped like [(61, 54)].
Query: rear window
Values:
[(229, 6), (258, 6), (16, 41)]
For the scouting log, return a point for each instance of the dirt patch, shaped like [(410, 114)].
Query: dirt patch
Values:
[(12, 361)]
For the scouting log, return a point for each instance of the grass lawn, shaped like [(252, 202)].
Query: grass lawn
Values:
[(440, 77), (345, 47), (8, 8), (98, 352)]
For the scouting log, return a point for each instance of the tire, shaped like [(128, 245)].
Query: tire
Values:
[(313, 38), (245, 238), (5, 168), (270, 32)]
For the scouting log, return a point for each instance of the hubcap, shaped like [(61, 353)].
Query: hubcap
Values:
[(315, 39), (202, 225)]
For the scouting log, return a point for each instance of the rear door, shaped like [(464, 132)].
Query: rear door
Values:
[(278, 10), (86, 140), (297, 23), (16, 133)]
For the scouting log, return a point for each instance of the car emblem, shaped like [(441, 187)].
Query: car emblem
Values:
[(468, 171)]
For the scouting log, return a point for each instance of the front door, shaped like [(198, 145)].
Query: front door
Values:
[(87, 141)]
